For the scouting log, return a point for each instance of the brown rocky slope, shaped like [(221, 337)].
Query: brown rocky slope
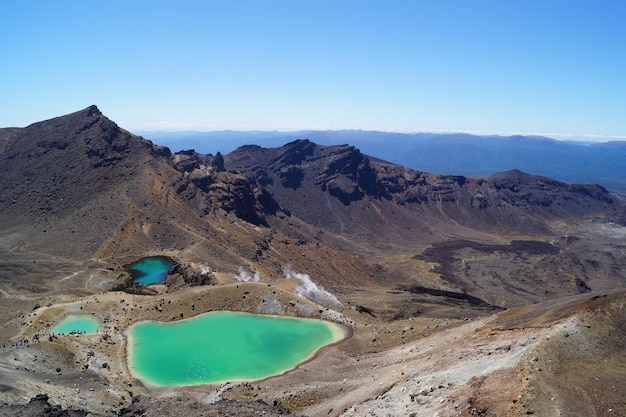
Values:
[(406, 257)]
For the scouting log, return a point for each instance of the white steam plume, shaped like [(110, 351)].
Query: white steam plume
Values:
[(309, 289), (244, 276), (205, 269)]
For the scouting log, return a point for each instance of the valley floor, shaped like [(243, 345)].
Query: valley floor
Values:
[(563, 356)]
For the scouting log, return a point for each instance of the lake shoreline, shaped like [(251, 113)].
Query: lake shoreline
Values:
[(340, 333)]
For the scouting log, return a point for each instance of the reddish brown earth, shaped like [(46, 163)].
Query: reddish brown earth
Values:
[(494, 296)]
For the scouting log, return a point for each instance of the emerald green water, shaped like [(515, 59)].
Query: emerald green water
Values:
[(78, 323), (151, 270), (224, 346)]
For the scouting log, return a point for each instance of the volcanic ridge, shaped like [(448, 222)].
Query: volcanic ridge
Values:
[(500, 295)]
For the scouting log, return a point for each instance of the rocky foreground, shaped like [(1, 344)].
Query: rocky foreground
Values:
[(559, 357)]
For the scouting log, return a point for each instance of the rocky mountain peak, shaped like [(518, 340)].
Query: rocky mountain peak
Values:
[(58, 164), (76, 121)]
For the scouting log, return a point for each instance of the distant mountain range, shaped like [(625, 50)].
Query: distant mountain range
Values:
[(447, 153)]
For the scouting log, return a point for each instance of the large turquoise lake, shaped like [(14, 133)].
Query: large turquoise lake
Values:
[(151, 270), (224, 346)]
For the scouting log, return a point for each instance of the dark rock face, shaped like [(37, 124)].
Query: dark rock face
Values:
[(218, 162), (293, 153), (348, 176), (342, 171), (206, 183), (39, 407), (451, 295), (64, 176), (527, 190), (68, 158), (174, 407), (325, 175), (142, 406)]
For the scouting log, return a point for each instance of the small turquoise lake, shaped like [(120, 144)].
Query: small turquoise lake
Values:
[(76, 324), (224, 346), (150, 270)]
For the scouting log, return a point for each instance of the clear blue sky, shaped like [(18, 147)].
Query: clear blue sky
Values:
[(522, 66)]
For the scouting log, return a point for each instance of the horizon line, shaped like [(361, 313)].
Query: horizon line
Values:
[(574, 137)]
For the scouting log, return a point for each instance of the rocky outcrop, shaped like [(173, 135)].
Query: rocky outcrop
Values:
[(206, 183), (327, 175), (59, 163), (172, 407), (39, 406)]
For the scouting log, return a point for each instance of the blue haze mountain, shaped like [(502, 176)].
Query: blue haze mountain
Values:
[(441, 153)]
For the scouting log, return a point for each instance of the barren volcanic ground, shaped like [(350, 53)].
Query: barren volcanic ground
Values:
[(493, 296)]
